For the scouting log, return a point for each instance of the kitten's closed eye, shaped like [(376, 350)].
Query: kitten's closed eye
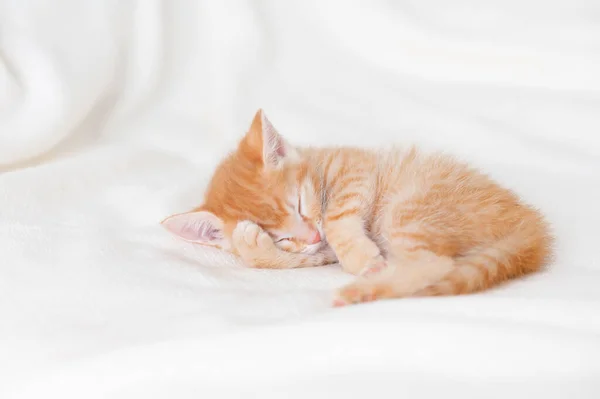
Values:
[(282, 239)]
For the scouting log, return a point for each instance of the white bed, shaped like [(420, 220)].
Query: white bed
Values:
[(113, 114)]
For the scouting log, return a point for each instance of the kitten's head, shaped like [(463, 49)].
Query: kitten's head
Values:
[(265, 180)]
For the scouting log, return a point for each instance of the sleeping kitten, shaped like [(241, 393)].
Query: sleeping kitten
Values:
[(406, 223)]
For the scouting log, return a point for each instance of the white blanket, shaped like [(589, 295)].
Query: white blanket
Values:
[(113, 114)]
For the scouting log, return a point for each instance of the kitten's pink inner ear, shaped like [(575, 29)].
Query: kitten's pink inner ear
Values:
[(200, 227), (273, 145)]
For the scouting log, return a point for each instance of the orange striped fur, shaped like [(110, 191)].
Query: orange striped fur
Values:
[(407, 223)]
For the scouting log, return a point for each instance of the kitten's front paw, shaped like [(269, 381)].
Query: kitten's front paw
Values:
[(376, 266), (253, 244)]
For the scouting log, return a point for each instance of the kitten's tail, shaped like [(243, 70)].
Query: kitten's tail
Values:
[(520, 254)]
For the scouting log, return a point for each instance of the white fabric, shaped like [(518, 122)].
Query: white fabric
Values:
[(113, 114)]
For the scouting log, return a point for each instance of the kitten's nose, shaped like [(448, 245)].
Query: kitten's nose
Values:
[(314, 238)]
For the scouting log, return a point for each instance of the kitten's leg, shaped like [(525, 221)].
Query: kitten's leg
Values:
[(412, 263), (428, 274), (355, 251), (350, 191), (257, 249), (423, 262), (402, 278)]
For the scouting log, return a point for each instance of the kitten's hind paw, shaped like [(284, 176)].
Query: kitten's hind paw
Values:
[(363, 290)]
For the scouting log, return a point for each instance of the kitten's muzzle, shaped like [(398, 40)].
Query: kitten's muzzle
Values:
[(314, 238)]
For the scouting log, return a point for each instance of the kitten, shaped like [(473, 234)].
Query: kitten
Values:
[(406, 223)]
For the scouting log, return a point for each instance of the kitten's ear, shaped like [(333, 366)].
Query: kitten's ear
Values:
[(200, 227), (267, 143)]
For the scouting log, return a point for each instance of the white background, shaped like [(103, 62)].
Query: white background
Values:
[(113, 114)]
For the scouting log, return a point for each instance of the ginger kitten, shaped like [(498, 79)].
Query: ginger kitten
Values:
[(408, 224)]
